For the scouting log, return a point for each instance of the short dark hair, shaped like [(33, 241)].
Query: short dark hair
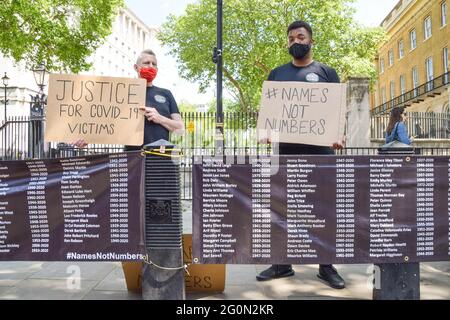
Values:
[(300, 24)]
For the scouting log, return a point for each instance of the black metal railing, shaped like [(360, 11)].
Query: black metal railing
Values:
[(22, 138), (420, 125), (418, 94)]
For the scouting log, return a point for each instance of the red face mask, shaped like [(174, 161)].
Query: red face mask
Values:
[(148, 74)]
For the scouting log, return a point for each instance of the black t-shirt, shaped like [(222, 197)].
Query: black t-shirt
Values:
[(314, 72), (164, 102)]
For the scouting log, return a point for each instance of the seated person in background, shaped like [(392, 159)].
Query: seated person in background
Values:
[(396, 129)]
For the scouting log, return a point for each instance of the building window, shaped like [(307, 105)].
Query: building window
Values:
[(392, 90), (445, 59), (413, 39), (429, 72), (429, 68), (381, 65), (401, 52), (445, 64), (443, 13), (383, 95), (402, 84), (415, 79), (427, 27), (391, 57)]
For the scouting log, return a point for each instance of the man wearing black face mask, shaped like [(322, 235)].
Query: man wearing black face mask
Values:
[(303, 68)]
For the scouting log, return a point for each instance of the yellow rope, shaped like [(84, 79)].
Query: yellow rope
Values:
[(144, 152)]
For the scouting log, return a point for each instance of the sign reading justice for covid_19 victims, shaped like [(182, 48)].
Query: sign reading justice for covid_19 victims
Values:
[(103, 110)]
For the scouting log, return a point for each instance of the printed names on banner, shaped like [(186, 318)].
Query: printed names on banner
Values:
[(345, 207), (448, 206), (218, 240), (425, 207), (301, 215), (67, 208), (261, 221), (118, 177), (79, 222), (323, 209), (5, 213), (37, 207), (384, 231)]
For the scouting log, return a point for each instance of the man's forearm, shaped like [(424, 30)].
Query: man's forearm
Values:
[(171, 124)]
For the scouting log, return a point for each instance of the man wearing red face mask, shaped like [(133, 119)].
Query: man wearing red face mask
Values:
[(160, 110)]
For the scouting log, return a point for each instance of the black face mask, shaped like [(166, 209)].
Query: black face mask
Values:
[(299, 50)]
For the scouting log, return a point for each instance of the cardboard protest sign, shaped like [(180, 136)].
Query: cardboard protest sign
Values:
[(302, 112), (96, 109)]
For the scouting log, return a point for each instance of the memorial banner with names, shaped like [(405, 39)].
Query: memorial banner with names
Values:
[(321, 210), (102, 110), (302, 112), (87, 208)]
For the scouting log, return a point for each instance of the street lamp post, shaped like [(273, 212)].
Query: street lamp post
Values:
[(37, 103), (40, 76), (5, 81), (217, 58)]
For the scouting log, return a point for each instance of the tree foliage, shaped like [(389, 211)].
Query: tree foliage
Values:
[(58, 33), (255, 41)]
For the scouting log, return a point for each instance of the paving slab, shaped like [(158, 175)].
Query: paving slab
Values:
[(240, 274), (39, 289), (62, 270), (111, 295), (114, 281), (19, 270)]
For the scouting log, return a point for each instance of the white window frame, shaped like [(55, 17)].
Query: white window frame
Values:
[(415, 79), (443, 13), (445, 59), (413, 39), (429, 72), (401, 49), (392, 90), (402, 84), (445, 64), (391, 57), (383, 95), (429, 69), (381, 65), (427, 28)]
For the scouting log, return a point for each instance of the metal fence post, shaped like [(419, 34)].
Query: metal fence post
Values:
[(163, 274), (397, 281)]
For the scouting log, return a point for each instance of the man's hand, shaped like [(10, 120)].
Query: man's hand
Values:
[(80, 143), (151, 114), (265, 140), (338, 145)]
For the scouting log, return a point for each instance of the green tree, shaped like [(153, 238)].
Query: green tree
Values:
[(255, 41), (185, 106), (59, 33)]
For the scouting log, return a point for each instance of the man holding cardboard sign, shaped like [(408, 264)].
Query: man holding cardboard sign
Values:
[(99, 109), (309, 113), (160, 110)]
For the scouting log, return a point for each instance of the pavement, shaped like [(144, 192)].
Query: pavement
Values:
[(106, 281)]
